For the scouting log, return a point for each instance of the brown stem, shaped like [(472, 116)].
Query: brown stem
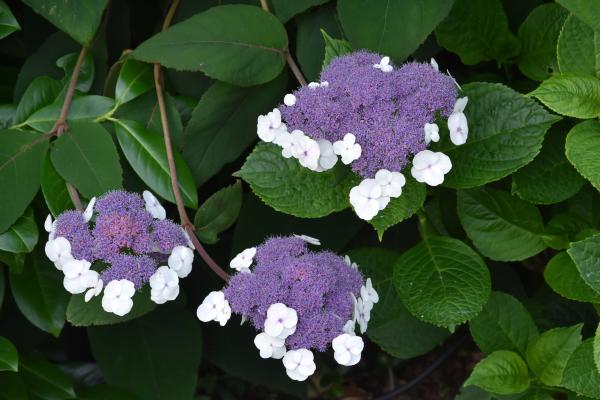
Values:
[(185, 221)]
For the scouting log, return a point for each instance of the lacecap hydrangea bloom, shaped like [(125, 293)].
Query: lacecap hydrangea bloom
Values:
[(300, 301), (120, 243), (375, 117)]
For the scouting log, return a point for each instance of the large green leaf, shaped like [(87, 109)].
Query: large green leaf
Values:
[(285, 9), (506, 133), (579, 48), (586, 255), (79, 19), (12, 387), (442, 281), (502, 227), (223, 124), (86, 156), (571, 95), (564, 228), (539, 35), (21, 156), (9, 358), (503, 324), (379, 25), (581, 375), (586, 10), (8, 22), (146, 153), (502, 372), (83, 108), (218, 213), (531, 182), (135, 79), (548, 355), (389, 316), (155, 357), (562, 276), (54, 189), (477, 30), (582, 149), (288, 187), (45, 380), (39, 293), (41, 92), (22, 236), (238, 44)]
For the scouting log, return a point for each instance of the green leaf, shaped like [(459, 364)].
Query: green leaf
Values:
[(334, 48), (218, 213), (135, 79), (86, 73), (389, 316), (401, 208), (477, 30), (12, 387), (538, 35), (239, 44), (548, 355), (45, 380), (578, 48), (146, 153), (149, 359), (564, 228), (223, 124), (502, 372), (503, 324), (442, 281), (8, 22), (379, 25), (597, 348), (530, 182), (83, 108), (572, 95), (538, 394), (582, 147), (9, 358), (586, 255), (562, 276), (86, 156), (586, 10), (22, 236), (507, 130), (54, 189), (581, 375), (21, 156), (41, 92), (78, 19), (502, 227), (287, 187), (39, 293), (286, 10), (80, 313)]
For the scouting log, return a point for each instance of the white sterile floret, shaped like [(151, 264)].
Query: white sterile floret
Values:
[(153, 206), (50, 226), (309, 239), (58, 250), (347, 148), (324, 84), (313, 85), (430, 167), (164, 285), (432, 133), (349, 327), (384, 65), (299, 364), (78, 276), (307, 151), (362, 314), (214, 308), (269, 126), (347, 349), (117, 297), (460, 104), (181, 260), (350, 263), (368, 294), (281, 321), (289, 99), (459, 128), (327, 157), (391, 182), (269, 346), (366, 199), (89, 210), (286, 141), (94, 291), (434, 64), (243, 260)]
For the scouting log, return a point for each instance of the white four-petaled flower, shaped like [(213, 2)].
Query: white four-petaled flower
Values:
[(367, 199), (214, 308), (89, 210), (243, 260), (58, 250), (327, 157), (368, 294), (362, 314), (307, 151), (269, 126), (289, 99), (384, 65), (181, 260), (79, 276), (269, 346), (117, 297), (347, 148), (153, 206), (391, 182), (347, 349), (299, 364), (430, 167), (164, 285), (458, 127), (432, 133), (309, 239), (281, 321)]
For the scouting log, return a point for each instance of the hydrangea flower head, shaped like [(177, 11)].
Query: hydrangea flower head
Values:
[(117, 244)]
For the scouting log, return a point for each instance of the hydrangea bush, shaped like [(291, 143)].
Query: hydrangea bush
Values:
[(166, 168)]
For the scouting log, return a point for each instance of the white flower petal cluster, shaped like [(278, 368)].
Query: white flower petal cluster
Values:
[(164, 285), (214, 308), (367, 199), (307, 152), (89, 210), (430, 167), (269, 126), (457, 122), (299, 364), (243, 260), (78, 276), (50, 226), (117, 297), (347, 148), (391, 182), (269, 346), (281, 321), (153, 206), (180, 260), (362, 313), (347, 349), (58, 250), (309, 239), (327, 156), (314, 85), (369, 295), (432, 133), (384, 65)]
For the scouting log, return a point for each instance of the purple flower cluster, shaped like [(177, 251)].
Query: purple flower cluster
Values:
[(318, 285), (386, 111)]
